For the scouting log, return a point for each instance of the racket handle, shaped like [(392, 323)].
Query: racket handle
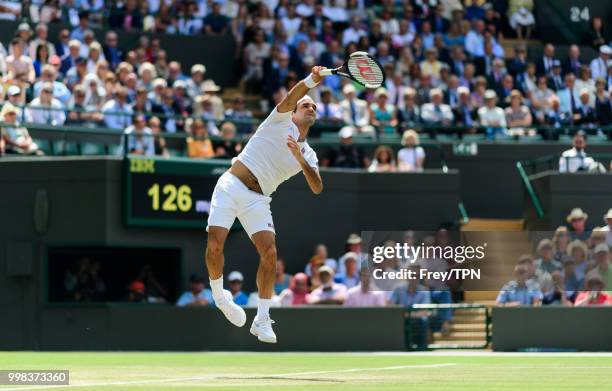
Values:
[(326, 72)]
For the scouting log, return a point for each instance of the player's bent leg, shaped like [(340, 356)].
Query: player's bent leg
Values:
[(265, 242), (214, 262)]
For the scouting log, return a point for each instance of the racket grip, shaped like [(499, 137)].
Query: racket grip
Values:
[(326, 72)]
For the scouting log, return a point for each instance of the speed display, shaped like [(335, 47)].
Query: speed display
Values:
[(169, 193)]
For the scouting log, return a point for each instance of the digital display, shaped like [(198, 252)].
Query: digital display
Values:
[(163, 193)]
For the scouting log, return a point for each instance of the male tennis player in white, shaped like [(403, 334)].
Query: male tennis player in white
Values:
[(277, 151)]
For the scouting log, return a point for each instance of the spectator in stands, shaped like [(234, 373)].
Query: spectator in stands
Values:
[(599, 65), (140, 137), (197, 295), (236, 280), (346, 155), (474, 39), (602, 265), (16, 138), (76, 74), (491, 116), (603, 105), (576, 159), (160, 142), (46, 109), (545, 64), (436, 113), (556, 118), (520, 15), (329, 292), (546, 262), (577, 251), (608, 227), (49, 75), (560, 240), (18, 65), (557, 295), (593, 295), (540, 99), (198, 144), (215, 23), (117, 112), (383, 160), (517, 292), (568, 96), (169, 111), (113, 54), (572, 63), (328, 112), (584, 80), (282, 279), (322, 257), (80, 114), (364, 294), (407, 297), (350, 276), (409, 115), (227, 148), (15, 98), (518, 116), (297, 293), (242, 117), (69, 59), (464, 112), (383, 116), (355, 113), (555, 80), (411, 158), (584, 114), (577, 221)]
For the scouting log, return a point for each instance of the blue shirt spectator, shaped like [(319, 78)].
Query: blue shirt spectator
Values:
[(416, 294), (518, 292), (197, 296), (140, 138), (117, 112), (235, 280)]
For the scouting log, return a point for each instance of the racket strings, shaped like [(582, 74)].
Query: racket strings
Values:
[(366, 71)]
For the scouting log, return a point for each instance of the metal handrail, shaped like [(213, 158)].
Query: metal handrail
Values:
[(532, 194)]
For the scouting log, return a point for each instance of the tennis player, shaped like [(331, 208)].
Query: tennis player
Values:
[(277, 151)]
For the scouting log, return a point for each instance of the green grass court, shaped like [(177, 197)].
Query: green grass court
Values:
[(319, 371)]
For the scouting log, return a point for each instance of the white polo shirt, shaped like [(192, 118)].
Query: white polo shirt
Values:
[(267, 156)]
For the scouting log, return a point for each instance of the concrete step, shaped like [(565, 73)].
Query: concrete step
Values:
[(476, 224)]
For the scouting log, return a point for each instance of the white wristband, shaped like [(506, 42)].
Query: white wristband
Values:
[(309, 82)]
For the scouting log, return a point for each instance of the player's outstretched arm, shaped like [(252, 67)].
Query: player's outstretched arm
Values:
[(299, 90), (313, 178)]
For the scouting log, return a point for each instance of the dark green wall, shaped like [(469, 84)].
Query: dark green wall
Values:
[(576, 328)]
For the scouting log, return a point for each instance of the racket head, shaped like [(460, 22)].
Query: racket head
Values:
[(365, 70)]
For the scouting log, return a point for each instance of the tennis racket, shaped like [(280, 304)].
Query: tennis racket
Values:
[(362, 68)]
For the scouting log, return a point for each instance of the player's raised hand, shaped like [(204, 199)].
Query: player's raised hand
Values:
[(294, 147), (316, 75)]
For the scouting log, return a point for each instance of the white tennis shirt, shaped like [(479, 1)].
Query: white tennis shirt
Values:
[(267, 156)]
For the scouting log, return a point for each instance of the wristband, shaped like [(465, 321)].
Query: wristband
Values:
[(309, 82)]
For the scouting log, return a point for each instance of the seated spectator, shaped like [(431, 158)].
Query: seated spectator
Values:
[(194, 84), (576, 159), (346, 155), (593, 295), (117, 112), (297, 292), (364, 294), (568, 96), (383, 160), (546, 262), (584, 114), (578, 252), (235, 280), (242, 117), (198, 144), (599, 65), (18, 65), (169, 112), (463, 113), (204, 108), (227, 148), (15, 97), (491, 116), (382, 114), (140, 137), (584, 80), (518, 116), (602, 265), (436, 113), (49, 75), (409, 115), (431, 66), (78, 113), (350, 277), (45, 109), (557, 295), (322, 257), (556, 118), (411, 157), (137, 292), (517, 292), (572, 281), (355, 113), (555, 81), (409, 296), (282, 279), (16, 138), (215, 23), (329, 292), (196, 296), (603, 105), (540, 99), (160, 142), (328, 112), (560, 241), (520, 16)]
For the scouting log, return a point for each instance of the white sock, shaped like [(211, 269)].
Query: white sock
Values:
[(217, 288), (263, 308)]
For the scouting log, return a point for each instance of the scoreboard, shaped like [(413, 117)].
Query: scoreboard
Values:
[(162, 193)]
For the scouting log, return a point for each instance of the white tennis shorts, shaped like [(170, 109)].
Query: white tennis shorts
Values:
[(231, 198)]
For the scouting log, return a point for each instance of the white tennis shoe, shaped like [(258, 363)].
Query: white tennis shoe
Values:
[(232, 311), (262, 329)]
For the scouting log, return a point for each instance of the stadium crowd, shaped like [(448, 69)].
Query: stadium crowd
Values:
[(445, 64)]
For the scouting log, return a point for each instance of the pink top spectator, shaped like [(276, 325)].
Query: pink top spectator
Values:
[(357, 298)]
